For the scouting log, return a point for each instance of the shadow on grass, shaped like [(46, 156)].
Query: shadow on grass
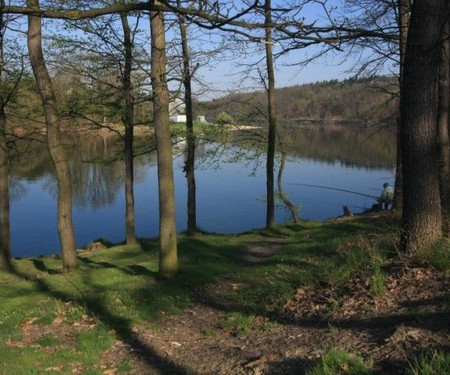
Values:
[(41, 266), (133, 269), (120, 325), (207, 262), (201, 265)]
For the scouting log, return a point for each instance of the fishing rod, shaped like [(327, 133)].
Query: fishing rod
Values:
[(337, 189)]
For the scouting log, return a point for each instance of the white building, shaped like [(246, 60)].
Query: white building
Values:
[(177, 118)]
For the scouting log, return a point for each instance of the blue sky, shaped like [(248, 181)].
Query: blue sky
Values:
[(225, 73)]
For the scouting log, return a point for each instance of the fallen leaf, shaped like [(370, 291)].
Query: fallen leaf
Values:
[(58, 321)]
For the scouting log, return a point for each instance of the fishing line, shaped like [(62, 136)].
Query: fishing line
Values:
[(337, 189)]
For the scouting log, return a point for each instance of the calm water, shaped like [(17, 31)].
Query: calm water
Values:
[(230, 188)]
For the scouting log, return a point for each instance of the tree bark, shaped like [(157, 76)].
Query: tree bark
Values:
[(54, 144), (270, 215), (422, 217), (168, 262), (189, 166), (403, 25), (128, 100), (282, 194), (443, 131), (5, 232)]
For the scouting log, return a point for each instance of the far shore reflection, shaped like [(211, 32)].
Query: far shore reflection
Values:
[(230, 183)]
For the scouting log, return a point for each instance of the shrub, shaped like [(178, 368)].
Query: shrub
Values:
[(224, 118)]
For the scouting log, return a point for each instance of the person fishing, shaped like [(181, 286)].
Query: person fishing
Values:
[(387, 197)]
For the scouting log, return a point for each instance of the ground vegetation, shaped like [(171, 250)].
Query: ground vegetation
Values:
[(298, 299)]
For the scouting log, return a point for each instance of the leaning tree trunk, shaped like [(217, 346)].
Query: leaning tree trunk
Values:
[(54, 144), (291, 206), (443, 131), (422, 217), (189, 166), (168, 261), (270, 215), (128, 100)]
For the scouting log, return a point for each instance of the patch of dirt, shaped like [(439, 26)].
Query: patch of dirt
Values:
[(256, 252), (410, 315)]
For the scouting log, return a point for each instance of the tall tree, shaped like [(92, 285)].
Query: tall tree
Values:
[(422, 216), (189, 166), (168, 262), (106, 65), (55, 146), (443, 131), (403, 25), (129, 126), (270, 215), (5, 241)]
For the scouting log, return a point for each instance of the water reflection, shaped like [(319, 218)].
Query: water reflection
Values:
[(230, 184), (372, 148)]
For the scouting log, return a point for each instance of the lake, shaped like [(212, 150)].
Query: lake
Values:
[(230, 184)]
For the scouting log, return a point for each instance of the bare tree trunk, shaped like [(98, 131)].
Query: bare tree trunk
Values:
[(422, 216), (129, 127), (403, 24), (443, 131), (281, 192), (189, 166), (5, 232), (55, 146), (168, 262), (270, 216)]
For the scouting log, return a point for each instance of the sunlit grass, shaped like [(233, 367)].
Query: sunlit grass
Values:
[(116, 289)]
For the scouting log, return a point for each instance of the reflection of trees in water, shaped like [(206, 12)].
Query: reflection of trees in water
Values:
[(16, 190), (96, 166), (96, 179), (211, 155), (347, 146), (351, 147), (96, 185)]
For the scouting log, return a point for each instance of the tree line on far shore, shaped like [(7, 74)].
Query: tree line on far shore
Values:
[(368, 101)]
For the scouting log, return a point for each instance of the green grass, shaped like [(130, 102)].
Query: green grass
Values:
[(339, 362), (438, 256), (378, 281), (431, 363), (48, 340), (116, 289), (237, 323)]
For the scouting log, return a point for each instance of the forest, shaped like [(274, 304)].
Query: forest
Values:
[(360, 102), (355, 295)]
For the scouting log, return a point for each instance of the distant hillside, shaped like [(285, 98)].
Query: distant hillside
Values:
[(359, 101)]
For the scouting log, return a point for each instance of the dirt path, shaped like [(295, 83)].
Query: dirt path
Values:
[(411, 314)]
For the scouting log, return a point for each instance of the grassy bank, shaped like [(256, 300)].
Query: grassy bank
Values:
[(63, 323)]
